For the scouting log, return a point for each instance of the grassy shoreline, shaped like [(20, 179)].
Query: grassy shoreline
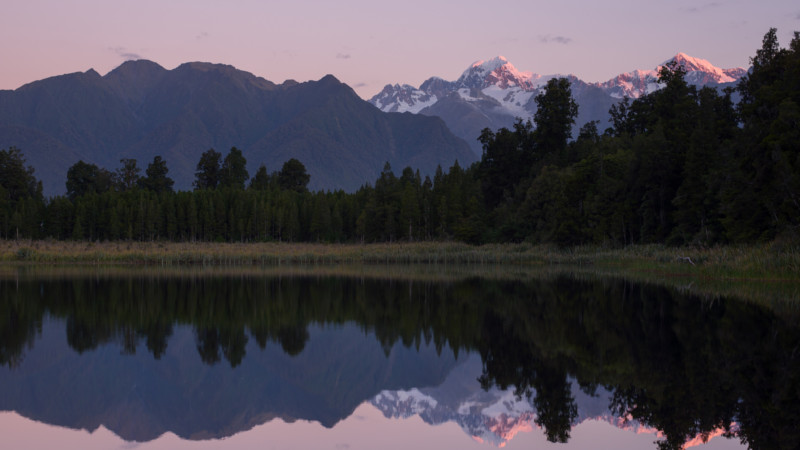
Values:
[(768, 274), (773, 261)]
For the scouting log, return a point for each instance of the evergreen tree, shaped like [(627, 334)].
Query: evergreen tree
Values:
[(261, 180), (157, 179), (84, 178), (320, 226), (128, 176), (293, 176), (17, 180), (767, 167), (696, 202), (555, 114), (208, 171), (588, 139), (234, 170), (506, 160), (59, 217)]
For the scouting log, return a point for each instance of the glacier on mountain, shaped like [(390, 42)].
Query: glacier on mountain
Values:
[(499, 79), (493, 94)]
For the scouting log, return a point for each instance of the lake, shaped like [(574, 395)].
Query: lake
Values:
[(394, 357)]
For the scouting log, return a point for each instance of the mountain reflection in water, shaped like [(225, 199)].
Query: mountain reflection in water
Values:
[(208, 355)]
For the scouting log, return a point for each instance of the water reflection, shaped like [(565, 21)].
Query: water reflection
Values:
[(146, 354)]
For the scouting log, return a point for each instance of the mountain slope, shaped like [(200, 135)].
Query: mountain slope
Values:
[(140, 110), (344, 124), (494, 94)]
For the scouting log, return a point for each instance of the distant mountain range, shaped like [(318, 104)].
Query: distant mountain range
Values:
[(492, 94), (140, 110)]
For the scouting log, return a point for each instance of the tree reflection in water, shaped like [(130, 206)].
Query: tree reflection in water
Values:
[(674, 362)]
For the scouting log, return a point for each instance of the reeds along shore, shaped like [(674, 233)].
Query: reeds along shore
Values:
[(767, 274), (770, 261)]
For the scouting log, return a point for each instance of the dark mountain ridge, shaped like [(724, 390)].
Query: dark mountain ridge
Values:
[(140, 110)]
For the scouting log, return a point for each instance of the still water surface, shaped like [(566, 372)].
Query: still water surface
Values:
[(269, 359)]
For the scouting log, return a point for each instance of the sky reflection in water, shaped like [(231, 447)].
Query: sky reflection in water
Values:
[(324, 353)]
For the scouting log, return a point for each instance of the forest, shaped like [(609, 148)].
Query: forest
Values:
[(680, 166)]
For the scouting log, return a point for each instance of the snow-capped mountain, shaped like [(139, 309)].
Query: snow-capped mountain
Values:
[(405, 98), (699, 72), (494, 93), (497, 72), (496, 79)]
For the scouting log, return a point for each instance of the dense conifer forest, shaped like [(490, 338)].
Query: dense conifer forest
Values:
[(681, 166)]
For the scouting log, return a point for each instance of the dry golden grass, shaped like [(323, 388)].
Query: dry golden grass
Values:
[(252, 253), (768, 274), (758, 260), (766, 261)]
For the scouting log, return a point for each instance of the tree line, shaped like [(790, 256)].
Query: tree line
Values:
[(681, 165)]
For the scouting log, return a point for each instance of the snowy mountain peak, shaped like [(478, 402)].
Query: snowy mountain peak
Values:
[(691, 63), (493, 93), (496, 72), (701, 72), (488, 66), (402, 98)]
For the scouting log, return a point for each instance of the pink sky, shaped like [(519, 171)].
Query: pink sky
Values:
[(369, 43)]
